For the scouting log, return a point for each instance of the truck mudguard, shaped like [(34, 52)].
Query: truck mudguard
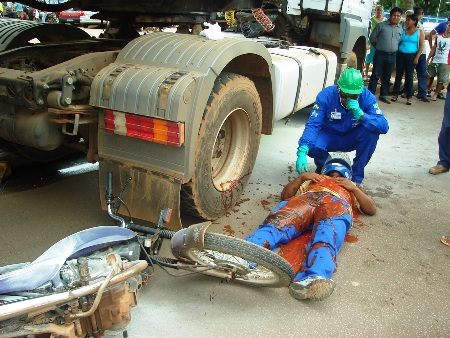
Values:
[(168, 76)]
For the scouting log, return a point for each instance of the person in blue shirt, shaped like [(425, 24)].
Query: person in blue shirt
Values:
[(345, 117), (19, 10), (409, 52), (439, 29)]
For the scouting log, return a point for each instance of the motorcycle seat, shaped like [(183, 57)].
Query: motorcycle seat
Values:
[(46, 267)]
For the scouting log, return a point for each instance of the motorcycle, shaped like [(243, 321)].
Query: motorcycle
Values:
[(86, 284)]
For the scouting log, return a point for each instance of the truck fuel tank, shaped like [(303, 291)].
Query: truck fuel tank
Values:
[(29, 129), (300, 73)]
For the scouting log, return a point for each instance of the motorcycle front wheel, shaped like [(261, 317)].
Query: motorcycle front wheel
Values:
[(235, 259)]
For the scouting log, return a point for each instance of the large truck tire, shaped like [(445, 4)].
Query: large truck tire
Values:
[(227, 147), (352, 61)]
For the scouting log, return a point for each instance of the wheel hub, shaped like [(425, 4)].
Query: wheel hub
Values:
[(230, 151)]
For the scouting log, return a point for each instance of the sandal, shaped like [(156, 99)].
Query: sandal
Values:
[(445, 240), (433, 98), (408, 102), (394, 98)]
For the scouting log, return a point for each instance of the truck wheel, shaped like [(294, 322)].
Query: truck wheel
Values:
[(352, 60), (226, 149)]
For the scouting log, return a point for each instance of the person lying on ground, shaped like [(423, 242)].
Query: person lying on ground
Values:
[(324, 204)]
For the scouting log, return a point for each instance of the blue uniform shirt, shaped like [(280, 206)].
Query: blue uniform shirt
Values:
[(328, 114), (441, 27)]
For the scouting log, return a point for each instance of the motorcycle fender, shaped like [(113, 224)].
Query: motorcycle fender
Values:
[(192, 237)]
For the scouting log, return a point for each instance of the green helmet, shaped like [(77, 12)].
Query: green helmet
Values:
[(350, 81)]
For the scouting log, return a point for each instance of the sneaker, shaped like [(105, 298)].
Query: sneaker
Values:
[(314, 287), (385, 100), (445, 240), (423, 99), (441, 96), (437, 169), (428, 93)]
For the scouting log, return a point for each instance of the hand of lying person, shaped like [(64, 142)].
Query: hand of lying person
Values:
[(346, 183), (312, 176)]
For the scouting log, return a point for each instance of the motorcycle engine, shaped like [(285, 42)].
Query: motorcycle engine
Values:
[(93, 314), (88, 269), (114, 310)]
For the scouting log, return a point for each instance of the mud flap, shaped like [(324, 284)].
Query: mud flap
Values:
[(146, 194)]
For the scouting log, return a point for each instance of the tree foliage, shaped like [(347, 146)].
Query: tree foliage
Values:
[(430, 7)]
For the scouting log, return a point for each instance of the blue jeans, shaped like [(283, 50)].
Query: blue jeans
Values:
[(404, 65), (421, 69), (383, 65), (326, 215), (360, 139), (444, 136)]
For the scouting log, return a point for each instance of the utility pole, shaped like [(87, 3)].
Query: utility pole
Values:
[(409, 4)]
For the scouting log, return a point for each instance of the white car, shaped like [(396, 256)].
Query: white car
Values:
[(86, 19)]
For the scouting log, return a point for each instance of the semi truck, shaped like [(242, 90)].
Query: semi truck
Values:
[(176, 115)]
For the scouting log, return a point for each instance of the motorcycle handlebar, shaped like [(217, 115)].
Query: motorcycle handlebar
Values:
[(109, 195), (164, 233)]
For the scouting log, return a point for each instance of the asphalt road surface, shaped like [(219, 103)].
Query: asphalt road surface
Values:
[(393, 281)]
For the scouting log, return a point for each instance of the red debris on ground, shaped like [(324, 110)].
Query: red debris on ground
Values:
[(242, 201), (228, 230), (359, 222), (264, 203), (350, 238)]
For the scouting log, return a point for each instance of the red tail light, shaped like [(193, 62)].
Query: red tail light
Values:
[(145, 128)]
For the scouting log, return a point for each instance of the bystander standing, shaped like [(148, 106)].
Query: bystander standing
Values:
[(439, 66), (439, 29), (374, 21), (19, 10), (443, 164), (385, 37), (421, 66), (410, 50)]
